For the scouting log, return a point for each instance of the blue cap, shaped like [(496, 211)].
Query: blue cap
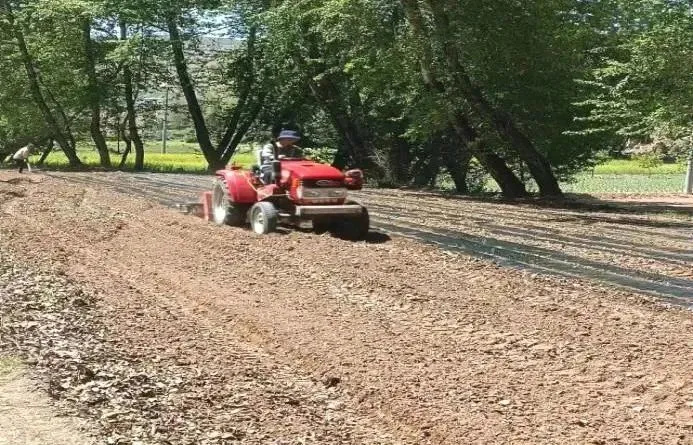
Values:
[(289, 134)]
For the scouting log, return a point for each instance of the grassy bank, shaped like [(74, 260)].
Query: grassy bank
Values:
[(625, 183), (630, 167), (180, 157), (627, 176)]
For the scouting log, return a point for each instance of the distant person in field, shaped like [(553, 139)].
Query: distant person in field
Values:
[(287, 148), (21, 157)]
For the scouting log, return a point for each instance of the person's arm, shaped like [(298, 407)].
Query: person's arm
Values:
[(266, 154)]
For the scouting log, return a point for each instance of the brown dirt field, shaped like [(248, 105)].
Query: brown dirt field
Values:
[(640, 249), (318, 340), (639, 243), (651, 201), (26, 415)]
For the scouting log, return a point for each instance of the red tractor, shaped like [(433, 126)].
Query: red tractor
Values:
[(299, 192)]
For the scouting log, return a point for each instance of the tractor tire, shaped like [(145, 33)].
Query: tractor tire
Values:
[(264, 218), (224, 211), (320, 227), (353, 229), (361, 226)]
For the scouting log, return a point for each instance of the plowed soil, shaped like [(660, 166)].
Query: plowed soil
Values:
[(310, 339), (640, 245)]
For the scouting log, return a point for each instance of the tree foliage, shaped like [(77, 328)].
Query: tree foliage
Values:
[(527, 92), (642, 89)]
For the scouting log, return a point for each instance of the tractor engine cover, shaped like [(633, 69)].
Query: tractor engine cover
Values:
[(309, 170)]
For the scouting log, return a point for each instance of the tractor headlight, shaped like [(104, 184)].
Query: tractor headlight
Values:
[(311, 193), (321, 195), (338, 193)]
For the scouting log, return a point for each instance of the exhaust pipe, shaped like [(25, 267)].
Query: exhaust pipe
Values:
[(276, 164), (277, 171)]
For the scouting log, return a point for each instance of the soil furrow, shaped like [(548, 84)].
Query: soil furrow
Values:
[(676, 291)]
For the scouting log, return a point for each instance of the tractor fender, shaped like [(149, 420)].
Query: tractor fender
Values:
[(241, 190)]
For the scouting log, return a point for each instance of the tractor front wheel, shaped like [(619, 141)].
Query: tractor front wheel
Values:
[(263, 218)]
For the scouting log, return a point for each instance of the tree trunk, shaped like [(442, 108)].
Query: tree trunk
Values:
[(196, 115), (538, 165), (456, 160), (134, 137), (46, 152), (347, 127), (241, 129), (399, 160), (341, 157), (128, 149), (688, 183), (94, 95), (425, 172), (35, 88), (510, 186), (249, 103), (67, 122), (496, 166), (336, 101)]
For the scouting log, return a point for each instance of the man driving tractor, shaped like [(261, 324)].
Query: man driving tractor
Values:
[(286, 147)]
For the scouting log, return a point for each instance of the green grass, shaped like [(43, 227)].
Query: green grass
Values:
[(628, 176), (180, 157), (610, 183), (625, 183), (631, 167), (617, 176)]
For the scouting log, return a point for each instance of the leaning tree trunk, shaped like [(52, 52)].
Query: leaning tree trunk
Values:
[(35, 88), (249, 105), (134, 137), (510, 185), (456, 160), (128, 148), (506, 127), (66, 122), (46, 152), (351, 132), (242, 129), (94, 95), (506, 179), (688, 183), (201, 131)]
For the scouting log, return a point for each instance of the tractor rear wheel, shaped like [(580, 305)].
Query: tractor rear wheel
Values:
[(358, 228), (354, 228), (224, 211), (264, 218)]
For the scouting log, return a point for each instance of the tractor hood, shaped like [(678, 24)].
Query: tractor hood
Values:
[(309, 170)]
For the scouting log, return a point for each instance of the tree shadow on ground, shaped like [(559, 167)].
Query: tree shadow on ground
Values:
[(572, 202)]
